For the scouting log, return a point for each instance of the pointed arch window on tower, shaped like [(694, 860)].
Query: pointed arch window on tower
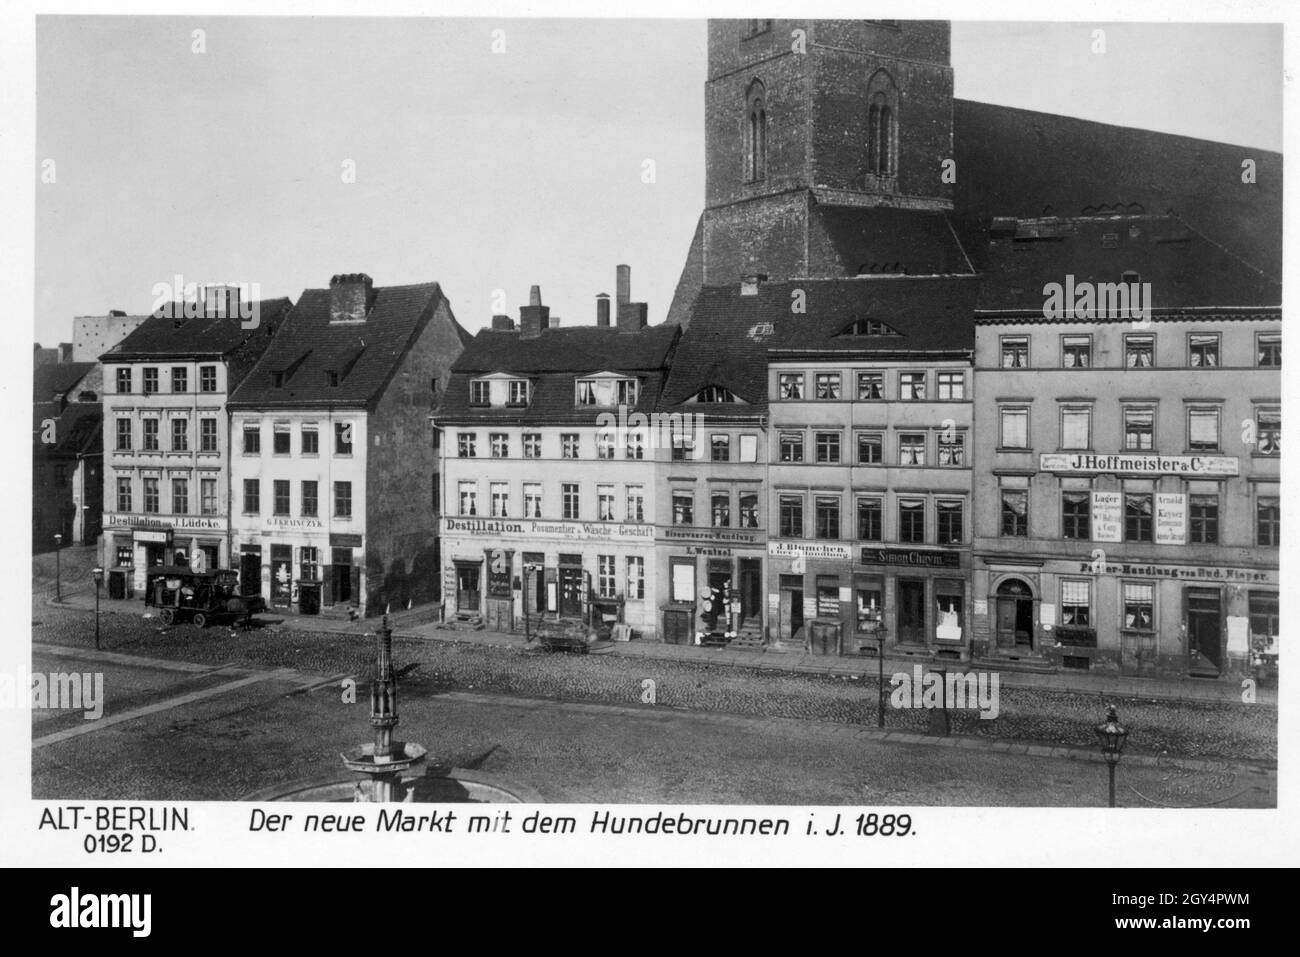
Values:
[(882, 126), (755, 134)]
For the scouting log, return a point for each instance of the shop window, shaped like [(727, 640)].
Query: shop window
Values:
[(1264, 622), (870, 605), (950, 614), (1139, 606), (682, 571), (828, 596)]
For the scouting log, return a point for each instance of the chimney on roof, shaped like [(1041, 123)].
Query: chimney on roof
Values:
[(534, 317), (623, 285), (116, 313), (503, 323), (351, 296), (221, 301), (631, 317), (602, 309), (65, 351), (749, 284)]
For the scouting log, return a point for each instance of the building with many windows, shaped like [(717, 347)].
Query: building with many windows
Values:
[(869, 476), (712, 476), (549, 469), (1128, 421), (166, 444), (334, 470)]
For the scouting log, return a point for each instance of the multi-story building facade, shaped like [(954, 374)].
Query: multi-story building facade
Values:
[(870, 476), (1128, 420), (166, 439), (711, 487), (549, 469), (334, 472)]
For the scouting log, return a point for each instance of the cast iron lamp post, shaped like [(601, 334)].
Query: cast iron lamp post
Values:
[(1111, 735), (58, 584), (98, 574)]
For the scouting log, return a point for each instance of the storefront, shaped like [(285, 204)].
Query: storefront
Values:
[(298, 567), (835, 599), (496, 570), (135, 543), (713, 583), (1140, 618)]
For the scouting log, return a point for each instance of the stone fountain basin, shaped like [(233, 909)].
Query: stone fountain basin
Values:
[(430, 785)]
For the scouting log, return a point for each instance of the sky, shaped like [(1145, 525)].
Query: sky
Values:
[(488, 171)]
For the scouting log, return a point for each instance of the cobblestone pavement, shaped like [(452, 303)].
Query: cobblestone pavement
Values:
[(1230, 730), (221, 733)]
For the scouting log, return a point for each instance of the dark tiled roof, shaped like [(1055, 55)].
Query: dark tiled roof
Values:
[(872, 241), (730, 335), (1013, 162), (365, 355), (552, 362), (54, 378), (1184, 268), (162, 337)]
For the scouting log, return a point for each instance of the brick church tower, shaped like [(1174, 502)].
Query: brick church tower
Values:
[(825, 142)]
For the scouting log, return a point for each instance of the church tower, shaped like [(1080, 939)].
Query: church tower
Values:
[(825, 144)]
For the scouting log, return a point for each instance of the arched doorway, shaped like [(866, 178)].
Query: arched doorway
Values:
[(1015, 615)]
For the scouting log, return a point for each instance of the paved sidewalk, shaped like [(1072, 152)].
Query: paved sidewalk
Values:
[(1077, 683)]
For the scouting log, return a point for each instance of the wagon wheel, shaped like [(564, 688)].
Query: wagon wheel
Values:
[(200, 620), (168, 616)]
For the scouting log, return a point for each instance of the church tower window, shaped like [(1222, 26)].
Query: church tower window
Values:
[(882, 125), (755, 134)]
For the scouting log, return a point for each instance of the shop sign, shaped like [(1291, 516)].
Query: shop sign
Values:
[(179, 522), (1107, 516), (818, 551), (912, 557), (569, 531), (709, 536), (1189, 465), (344, 540), (1199, 573), (1171, 518)]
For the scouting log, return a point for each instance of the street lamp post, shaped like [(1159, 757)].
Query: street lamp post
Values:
[(58, 585), (528, 573), (1112, 735), (98, 573)]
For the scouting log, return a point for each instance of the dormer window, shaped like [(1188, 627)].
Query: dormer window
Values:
[(715, 393), (277, 380), (332, 379), (868, 327), (518, 392), (479, 392), (606, 391)]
